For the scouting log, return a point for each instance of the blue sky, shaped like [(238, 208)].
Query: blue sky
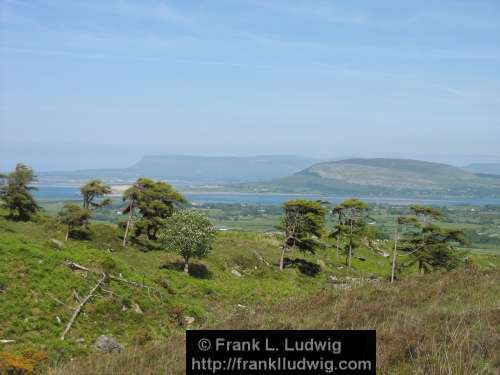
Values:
[(99, 83)]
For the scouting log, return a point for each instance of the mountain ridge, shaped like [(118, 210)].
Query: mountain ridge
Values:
[(484, 168), (383, 176)]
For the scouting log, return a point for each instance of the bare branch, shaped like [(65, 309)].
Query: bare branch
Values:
[(81, 304)]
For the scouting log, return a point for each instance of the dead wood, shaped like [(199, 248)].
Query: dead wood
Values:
[(81, 304)]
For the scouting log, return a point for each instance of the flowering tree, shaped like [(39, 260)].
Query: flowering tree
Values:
[(189, 234)]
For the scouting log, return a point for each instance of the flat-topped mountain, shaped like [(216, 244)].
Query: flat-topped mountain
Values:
[(188, 169), (391, 177), (220, 168)]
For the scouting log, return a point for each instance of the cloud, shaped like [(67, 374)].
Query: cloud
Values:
[(155, 10), (327, 11), (107, 56), (10, 15)]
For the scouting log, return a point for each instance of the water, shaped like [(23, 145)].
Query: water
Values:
[(57, 193)]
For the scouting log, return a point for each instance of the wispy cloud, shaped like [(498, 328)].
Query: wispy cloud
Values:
[(105, 56), (155, 10), (10, 15), (328, 11)]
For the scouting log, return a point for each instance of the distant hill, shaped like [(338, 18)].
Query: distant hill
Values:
[(389, 177), (193, 169), (220, 169), (484, 168)]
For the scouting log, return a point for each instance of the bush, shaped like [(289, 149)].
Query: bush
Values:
[(26, 363)]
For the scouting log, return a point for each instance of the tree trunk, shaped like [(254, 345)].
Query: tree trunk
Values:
[(350, 248), (338, 245), (129, 222), (394, 254), (282, 258), (186, 266), (67, 232)]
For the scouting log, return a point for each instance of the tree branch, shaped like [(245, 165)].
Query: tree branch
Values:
[(81, 304)]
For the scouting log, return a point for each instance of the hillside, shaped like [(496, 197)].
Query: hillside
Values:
[(431, 325), (384, 177), (38, 289), (146, 301)]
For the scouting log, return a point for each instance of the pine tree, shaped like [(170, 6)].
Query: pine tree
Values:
[(16, 193), (302, 224)]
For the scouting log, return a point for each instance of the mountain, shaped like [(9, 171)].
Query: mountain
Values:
[(484, 168), (185, 169), (384, 177)]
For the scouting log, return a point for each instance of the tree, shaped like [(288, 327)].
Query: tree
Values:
[(188, 233), (430, 246), (131, 196), (74, 216), (354, 212), (15, 193), (302, 223), (426, 212), (434, 248), (156, 201), (339, 228), (91, 191), (399, 221)]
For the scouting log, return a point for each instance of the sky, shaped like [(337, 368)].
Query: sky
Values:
[(92, 83)]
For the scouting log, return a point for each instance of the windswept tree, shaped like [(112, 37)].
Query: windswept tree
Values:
[(430, 246), (339, 228), (400, 222), (354, 213), (74, 216), (434, 248), (15, 194), (188, 233), (426, 213), (302, 224), (131, 196), (92, 191), (156, 201)]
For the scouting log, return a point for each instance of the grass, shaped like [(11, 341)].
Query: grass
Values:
[(432, 324), (37, 294)]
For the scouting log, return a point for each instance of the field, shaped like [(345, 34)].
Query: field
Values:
[(481, 224)]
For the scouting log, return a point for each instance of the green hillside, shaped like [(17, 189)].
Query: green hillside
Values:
[(388, 177), (146, 301), (38, 290), (429, 325)]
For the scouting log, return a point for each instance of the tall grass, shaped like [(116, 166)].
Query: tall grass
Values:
[(439, 324)]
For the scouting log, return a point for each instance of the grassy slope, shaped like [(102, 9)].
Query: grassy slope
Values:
[(33, 278), (433, 324)]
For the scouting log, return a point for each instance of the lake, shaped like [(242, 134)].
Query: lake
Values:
[(56, 193)]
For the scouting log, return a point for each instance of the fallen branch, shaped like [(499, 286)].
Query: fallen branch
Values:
[(55, 299), (111, 294), (75, 266), (7, 341), (134, 283), (77, 297), (120, 278), (261, 258), (81, 304)]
